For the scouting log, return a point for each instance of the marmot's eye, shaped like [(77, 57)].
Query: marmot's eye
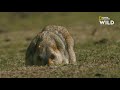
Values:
[(52, 56)]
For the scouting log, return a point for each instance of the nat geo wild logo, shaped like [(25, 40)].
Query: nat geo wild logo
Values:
[(105, 21)]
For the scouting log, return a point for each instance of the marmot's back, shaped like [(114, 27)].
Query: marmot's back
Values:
[(57, 29)]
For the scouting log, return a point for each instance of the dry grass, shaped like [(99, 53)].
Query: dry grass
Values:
[(99, 59)]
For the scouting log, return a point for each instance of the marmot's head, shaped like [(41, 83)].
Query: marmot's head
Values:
[(50, 50)]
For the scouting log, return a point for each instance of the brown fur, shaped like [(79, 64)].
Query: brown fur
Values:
[(53, 45)]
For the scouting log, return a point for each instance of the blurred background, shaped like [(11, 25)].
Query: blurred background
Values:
[(10, 21)]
